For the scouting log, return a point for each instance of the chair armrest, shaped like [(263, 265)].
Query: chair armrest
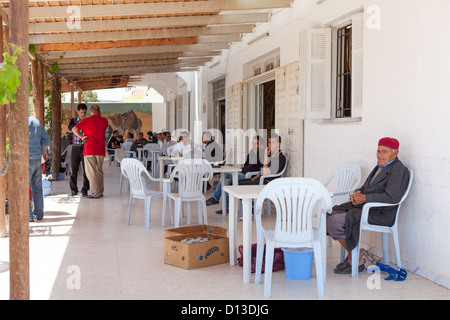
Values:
[(367, 206), (342, 193), (251, 174), (266, 176)]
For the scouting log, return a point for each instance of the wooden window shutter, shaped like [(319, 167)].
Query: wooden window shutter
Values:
[(358, 28), (318, 73)]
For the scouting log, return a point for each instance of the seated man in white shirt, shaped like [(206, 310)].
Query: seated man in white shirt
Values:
[(185, 147)]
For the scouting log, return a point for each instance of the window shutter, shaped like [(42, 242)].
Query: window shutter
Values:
[(302, 76), (318, 73), (357, 64)]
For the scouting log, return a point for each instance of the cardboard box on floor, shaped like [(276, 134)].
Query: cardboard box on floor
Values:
[(195, 229), (196, 255)]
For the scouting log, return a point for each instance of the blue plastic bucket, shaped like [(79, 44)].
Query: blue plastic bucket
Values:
[(298, 263), (46, 187)]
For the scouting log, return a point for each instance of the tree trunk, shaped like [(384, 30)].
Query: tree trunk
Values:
[(2, 150), (56, 127), (37, 72), (19, 189)]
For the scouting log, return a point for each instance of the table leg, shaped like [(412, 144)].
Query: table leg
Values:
[(161, 173), (232, 224), (224, 201), (247, 238)]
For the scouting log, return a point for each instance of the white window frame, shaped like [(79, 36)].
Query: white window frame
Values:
[(307, 89)]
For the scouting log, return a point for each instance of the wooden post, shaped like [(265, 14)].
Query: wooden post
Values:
[(56, 126), (19, 189), (38, 89), (2, 150), (72, 101), (80, 96)]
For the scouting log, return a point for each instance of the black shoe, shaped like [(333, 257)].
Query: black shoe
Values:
[(92, 197), (211, 201), (346, 268), (84, 193), (74, 193), (220, 211)]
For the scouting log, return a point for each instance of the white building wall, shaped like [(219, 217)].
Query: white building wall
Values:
[(406, 95)]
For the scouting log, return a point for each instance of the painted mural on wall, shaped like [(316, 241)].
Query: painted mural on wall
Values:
[(126, 122), (125, 117)]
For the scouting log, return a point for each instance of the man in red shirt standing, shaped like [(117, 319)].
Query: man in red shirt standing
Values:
[(94, 128)]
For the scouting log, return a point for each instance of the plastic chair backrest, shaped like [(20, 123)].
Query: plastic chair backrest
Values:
[(127, 145), (191, 174), (295, 200), (133, 169), (348, 178), (411, 176), (120, 154)]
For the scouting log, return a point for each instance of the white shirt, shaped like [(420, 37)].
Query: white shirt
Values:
[(180, 147)]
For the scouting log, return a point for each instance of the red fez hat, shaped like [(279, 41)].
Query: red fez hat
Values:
[(389, 142)]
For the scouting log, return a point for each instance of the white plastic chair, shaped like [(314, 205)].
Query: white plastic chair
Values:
[(126, 147), (147, 155), (385, 231), (111, 157), (120, 155), (191, 174), (266, 176), (295, 200), (346, 178), (135, 171)]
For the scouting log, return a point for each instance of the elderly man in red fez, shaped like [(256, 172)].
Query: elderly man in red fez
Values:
[(386, 183)]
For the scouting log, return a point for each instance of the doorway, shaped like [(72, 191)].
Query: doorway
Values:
[(265, 106)]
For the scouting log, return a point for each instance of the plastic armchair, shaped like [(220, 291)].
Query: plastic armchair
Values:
[(346, 178), (126, 147), (147, 156), (135, 171), (296, 201), (67, 161), (191, 174), (120, 155), (385, 231), (267, 176), (111, 157)]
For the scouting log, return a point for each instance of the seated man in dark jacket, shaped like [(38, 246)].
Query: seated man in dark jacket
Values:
[(386, 183), (253, 163), (274, 162)]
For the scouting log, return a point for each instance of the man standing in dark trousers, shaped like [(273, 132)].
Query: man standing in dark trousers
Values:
[(77, 157)]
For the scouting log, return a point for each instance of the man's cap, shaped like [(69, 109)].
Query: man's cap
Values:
[(389, 142)]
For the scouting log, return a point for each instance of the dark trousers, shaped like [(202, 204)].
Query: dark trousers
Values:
[(76, 159)]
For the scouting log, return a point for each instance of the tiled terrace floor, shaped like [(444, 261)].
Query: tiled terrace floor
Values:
[(120, 261)]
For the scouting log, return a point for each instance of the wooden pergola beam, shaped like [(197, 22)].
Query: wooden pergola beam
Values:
[(52, 47), (142, 34), (193, 49), (129, 72), (156, 8), (4, 16), (145, 23), (137, 63), (138, 57)]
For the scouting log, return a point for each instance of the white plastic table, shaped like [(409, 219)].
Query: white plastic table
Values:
[(246, 194), (223, 172)]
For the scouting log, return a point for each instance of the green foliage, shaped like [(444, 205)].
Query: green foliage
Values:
[(10, 76)]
